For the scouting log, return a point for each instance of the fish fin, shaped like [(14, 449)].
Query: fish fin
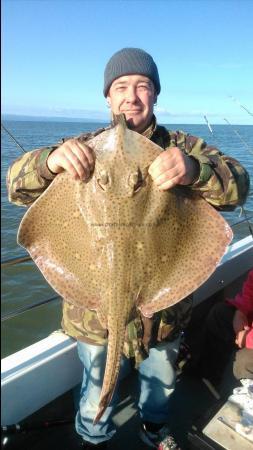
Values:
[(187, 246), (47, 230)]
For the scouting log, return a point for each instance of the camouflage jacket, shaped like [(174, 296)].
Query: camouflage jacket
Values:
[(222, 181)]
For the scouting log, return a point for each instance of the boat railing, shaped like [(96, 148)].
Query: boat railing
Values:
[(27, 258)]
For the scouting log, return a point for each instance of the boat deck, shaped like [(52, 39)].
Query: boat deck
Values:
[(191, 402)]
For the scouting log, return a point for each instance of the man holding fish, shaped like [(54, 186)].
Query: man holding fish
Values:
[(131, 87)]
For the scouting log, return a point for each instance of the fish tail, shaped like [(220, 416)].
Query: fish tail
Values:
[(114, 349)]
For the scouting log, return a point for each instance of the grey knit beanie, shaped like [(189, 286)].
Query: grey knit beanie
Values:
[(130, 61)]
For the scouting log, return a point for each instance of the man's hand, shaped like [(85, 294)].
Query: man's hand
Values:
[(74, 157), (173, 167)]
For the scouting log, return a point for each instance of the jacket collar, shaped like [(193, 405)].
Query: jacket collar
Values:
[(148, 133)]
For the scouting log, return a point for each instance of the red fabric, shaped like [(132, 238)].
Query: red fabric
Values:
[(244, 302), (249, 339)]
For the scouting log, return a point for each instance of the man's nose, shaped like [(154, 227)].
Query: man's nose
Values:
[(131, 94)]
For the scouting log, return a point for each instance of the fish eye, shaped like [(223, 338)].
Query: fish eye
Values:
[(103, 179)]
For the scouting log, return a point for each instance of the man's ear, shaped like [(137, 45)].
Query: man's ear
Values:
[(108, 99)]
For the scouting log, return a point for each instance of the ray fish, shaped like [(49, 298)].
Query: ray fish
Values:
[(118, 245)]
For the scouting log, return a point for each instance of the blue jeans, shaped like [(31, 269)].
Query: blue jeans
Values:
[(156, 383)]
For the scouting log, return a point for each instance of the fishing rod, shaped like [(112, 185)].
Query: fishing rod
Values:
[(242, 207), (12, 137), (21, 259), (14, 261), (208, 124), (241, 106), (24, 427), (9, 431), (239, 136), (19, 311), (251, 151), (17, 428)]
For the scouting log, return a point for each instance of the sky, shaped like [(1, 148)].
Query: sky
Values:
[(54, 53)]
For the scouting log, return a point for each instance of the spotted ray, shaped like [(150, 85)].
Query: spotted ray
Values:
[(117, 244)]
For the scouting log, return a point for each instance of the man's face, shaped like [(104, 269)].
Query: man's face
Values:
[(134, 96)]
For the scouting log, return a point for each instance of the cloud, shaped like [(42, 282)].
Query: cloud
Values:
[(81, 113), (159, 110), (56, 111), (162, 112)]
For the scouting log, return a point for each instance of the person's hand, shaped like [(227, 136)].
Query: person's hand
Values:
[(241, 328), (240, 322), (173, 167), (241, 338), (74, 157)]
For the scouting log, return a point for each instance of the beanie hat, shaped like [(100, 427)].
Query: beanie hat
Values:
[(130, 61)]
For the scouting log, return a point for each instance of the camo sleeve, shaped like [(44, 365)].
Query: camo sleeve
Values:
[(29, 176), (222, 181)]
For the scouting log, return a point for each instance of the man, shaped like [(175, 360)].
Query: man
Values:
[(131, 87)]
